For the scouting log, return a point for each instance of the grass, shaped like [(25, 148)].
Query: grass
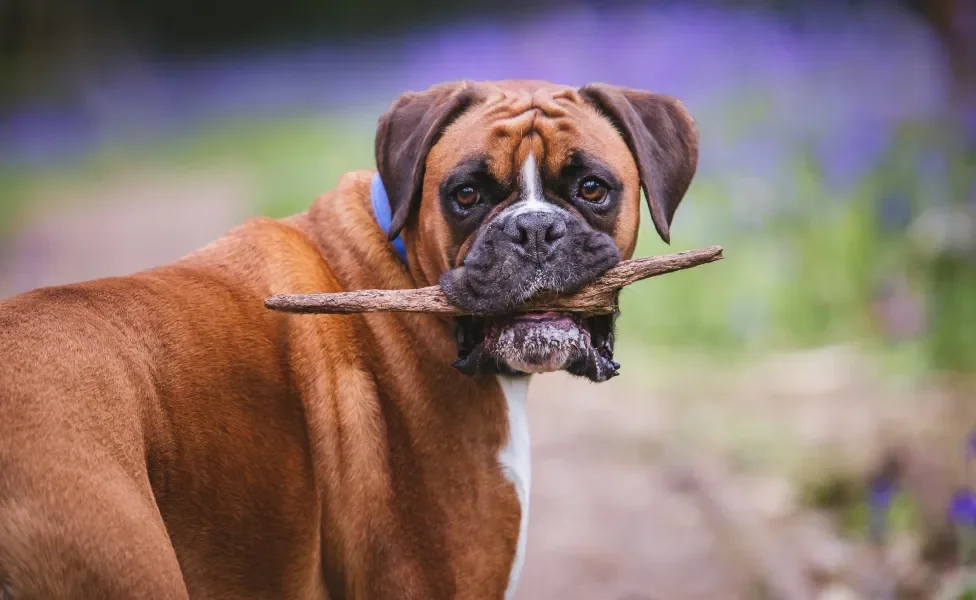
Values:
[(291, 160)]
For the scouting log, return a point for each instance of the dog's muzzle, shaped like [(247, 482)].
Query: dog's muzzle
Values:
[(519, 255)]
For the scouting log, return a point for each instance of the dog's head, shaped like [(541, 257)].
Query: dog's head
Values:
[(504, 191)]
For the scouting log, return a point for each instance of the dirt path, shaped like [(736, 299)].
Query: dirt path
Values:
[(606, 519), (118, 226)]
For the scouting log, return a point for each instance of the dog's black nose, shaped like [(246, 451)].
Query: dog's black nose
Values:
[(538, 232)]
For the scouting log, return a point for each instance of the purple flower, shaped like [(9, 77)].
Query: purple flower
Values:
[(796, 81), (962, 508), (969, 121), (895, 211), (881, 493), (853, 152)]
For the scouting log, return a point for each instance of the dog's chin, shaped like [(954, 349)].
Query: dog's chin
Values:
[(537, 343)]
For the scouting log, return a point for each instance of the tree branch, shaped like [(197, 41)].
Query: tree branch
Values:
[(596, 298)]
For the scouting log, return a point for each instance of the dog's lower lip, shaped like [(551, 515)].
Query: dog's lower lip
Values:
[(516, 343), (543, 316)]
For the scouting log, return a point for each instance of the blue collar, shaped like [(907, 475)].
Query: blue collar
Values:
[(384, 217)]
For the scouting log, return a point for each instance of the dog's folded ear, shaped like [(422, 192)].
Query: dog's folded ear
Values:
[(404, 137), (663, 138)]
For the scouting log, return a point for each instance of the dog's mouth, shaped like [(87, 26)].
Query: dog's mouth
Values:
[(499, 277), (537, 342)]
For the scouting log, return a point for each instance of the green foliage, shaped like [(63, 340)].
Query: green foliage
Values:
[(903, 515), (290, 160), (809, 272), (848, 501)]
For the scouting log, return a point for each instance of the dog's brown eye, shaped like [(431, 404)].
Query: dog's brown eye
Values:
[(467, 196), (592, 190)]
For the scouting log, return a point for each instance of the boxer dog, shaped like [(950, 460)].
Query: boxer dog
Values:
[(163, 435)]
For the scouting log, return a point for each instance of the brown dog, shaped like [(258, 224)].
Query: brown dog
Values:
[(163, 435)]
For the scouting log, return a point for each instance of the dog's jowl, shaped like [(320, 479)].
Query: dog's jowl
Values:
[(163, 435)]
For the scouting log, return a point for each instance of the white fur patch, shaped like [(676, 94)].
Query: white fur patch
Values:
[(543, 349), (516, 464), (532, 199)]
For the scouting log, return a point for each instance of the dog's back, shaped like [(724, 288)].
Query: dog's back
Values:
[(155, 411)]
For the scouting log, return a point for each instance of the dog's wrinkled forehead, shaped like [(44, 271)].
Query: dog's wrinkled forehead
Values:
[(547, 123), (524, 137)]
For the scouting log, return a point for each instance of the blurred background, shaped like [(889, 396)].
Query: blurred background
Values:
[(791, 422)]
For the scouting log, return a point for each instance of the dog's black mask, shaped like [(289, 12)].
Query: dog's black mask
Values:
[(530, 249)]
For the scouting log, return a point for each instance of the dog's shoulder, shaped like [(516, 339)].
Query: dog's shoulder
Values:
[(206, 306)]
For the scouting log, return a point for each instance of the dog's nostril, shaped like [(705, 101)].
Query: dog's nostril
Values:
[(556, 230)]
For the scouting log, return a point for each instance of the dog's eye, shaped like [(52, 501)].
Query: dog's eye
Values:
[(592, 190), (467, 196)]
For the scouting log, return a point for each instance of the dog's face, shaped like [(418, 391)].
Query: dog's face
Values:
[(505, 191)]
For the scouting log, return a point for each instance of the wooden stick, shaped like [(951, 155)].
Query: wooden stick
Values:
[(596, 298)]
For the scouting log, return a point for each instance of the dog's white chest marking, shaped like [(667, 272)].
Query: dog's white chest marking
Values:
[(516, 465)]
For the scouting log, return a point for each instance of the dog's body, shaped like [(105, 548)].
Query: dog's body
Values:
[(163, 435)]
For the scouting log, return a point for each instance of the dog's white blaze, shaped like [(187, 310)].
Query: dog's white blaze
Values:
[(532, 199), (516, 464)]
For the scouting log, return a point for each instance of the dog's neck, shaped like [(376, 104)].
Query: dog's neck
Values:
[(425, 407)]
